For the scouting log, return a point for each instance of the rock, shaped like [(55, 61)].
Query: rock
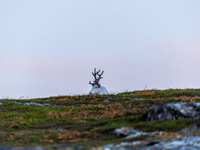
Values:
[(65, 147), (22, 148), (138, 99), (116, 147), (58, 147), (106, 101), (30, 148), (190, 130), (6, 148), (186, 143), (174, 111), (38, 104), (131, 133)]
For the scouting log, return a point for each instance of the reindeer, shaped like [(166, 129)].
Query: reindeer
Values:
[(96, 86)]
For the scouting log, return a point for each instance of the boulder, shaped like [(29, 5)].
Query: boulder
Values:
[(131, 133), (174, 111)]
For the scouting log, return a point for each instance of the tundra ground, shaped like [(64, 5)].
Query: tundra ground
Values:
[(86, 120)]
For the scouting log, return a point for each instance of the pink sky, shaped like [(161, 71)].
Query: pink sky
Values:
[(174, 66), (50, 48)]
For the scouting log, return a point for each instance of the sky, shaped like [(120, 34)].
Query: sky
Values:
[(50, 48)]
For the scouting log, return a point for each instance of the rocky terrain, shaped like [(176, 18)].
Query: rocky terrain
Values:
[(142, 120)]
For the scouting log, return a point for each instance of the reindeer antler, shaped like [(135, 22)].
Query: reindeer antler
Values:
[(95, 73)]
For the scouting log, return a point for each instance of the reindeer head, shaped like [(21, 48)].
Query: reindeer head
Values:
[(97, 79)]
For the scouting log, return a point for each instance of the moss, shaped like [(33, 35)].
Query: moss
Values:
[(87, 118)]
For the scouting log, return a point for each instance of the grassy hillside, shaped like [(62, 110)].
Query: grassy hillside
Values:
[(87, 120)]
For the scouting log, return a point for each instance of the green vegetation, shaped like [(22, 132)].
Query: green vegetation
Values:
[(87, 120)]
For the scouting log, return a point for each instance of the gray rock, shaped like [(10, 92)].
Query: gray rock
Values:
[(131, 133), (173, 111), (65, 147), (30, 148), (38, 104), (22, 148), (138, 99), (58, 147), (6, 148), (185, 143), (190, 130), (106, 101)]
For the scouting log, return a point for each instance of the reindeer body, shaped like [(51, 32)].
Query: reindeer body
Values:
[(99, 91), (96, 86)]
